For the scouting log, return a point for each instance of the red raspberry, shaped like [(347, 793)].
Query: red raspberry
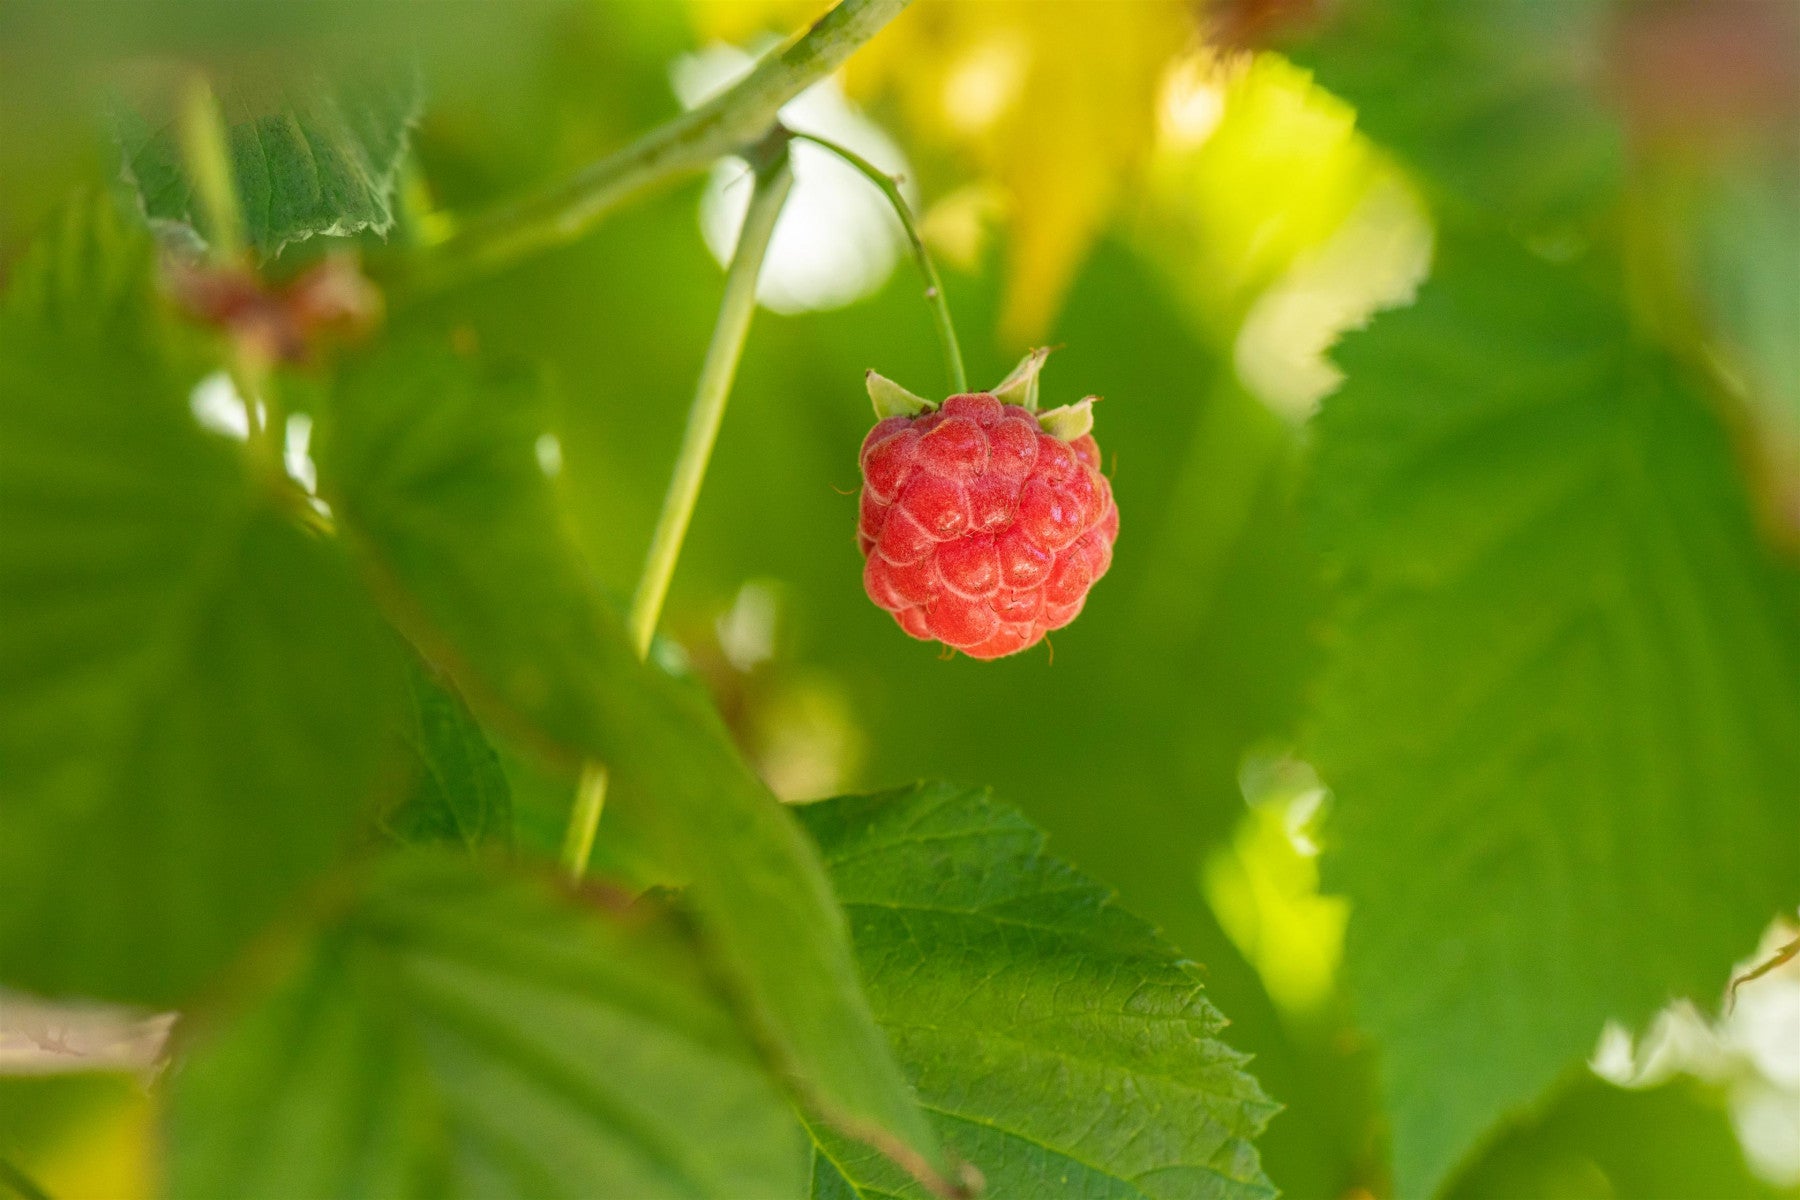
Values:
[(978, 528)]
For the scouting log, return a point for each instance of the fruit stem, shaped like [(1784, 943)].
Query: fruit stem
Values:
[(934, 286), (686, 145), (774, 178)]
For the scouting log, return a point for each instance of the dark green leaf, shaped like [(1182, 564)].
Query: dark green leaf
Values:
[(312, 156), (460, 1033), (1563, 718), (431, 461), (191, 688), (1060, 1045), (1499, 102), (460, 793)]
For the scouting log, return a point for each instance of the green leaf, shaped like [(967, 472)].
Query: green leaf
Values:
[(191, 688), (431, 463), (88, 277), (456, 1032), (1742, 239), (1060, 1045), (1499, 102), (312, 156), (460, 793), (1749, 226), (1563, 716), (1602, 1141), (43, 1117)]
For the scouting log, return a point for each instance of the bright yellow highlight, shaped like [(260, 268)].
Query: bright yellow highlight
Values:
[(107, 1153), (1254, 167), (1054, 103), (1264, 888)]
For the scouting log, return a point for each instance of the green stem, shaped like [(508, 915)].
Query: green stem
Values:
[(254, 382), (584, 820), (773, 180), (206, 152), (724, 125), (934, 286), (716, 374)]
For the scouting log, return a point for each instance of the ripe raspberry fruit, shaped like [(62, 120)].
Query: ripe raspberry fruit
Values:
[(983, 523)]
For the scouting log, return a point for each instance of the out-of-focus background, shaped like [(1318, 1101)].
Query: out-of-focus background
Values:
[(1193, 222)]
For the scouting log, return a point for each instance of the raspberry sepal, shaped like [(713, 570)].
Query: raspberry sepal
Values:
[(1021, 385), (892, 400), (1069, 422)]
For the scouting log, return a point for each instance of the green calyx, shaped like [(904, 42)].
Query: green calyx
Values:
[(892, 400), (1021, 386), (1067, 423), (1070, 421)]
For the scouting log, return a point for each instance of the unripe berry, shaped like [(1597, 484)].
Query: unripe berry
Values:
[(979, 526)]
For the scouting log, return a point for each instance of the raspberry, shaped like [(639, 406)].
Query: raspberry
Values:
[(978, 527)]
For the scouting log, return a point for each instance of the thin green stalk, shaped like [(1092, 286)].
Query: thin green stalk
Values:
[(724, 125), (934, 286), (773, 180), (206, 152), (714, 388), (584, 819)]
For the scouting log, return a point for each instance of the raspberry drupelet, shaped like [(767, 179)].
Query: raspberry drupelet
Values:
[(980, 526)]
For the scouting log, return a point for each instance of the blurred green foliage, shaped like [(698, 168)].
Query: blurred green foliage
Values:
[(460, 792), (453, 1031), (172, 644), (1602, 735), (429, 459)]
